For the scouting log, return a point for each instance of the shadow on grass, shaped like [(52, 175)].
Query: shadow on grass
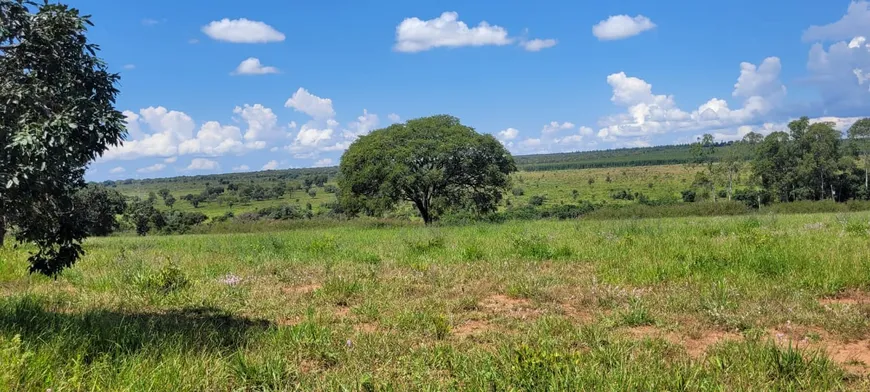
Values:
[(97, 333)]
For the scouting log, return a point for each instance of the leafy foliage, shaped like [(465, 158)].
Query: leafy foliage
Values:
[(435, 162), (57, 115)]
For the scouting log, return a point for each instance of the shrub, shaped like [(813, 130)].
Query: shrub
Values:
[(622, 194), (169, 279), (537, 200), (688, 195), (518, 191)]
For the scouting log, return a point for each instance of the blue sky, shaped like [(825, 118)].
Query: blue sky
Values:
[(219, 86)]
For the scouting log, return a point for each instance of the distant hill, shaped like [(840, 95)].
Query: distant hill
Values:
[(624, 157)]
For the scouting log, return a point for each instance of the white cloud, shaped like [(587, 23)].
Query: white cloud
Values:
[(649, 114), (555, 126), (242, 31), (759, 81), (262, 122), (292, 125), (172, 135), (241, 168), (394, 118), (129, 66), (274, 149), (309, 136), (150, 22), (214, 139), (193, 41), (170, 160), (841, 70), (508, 134), (271, 165), (415, 35), (151, 169), (323, 163), (310, 104), (537, 44), (362, 126), (203, 164), (117, 170), (621, 27), (856, 22), (252, 66)]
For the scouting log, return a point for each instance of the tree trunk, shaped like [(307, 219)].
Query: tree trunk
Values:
[(424, 211)]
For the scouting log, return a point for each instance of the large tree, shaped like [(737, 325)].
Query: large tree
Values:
[(57, 114), (434, 162), (859, 133)]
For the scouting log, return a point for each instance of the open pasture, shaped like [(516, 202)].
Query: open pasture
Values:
[(774, 302)]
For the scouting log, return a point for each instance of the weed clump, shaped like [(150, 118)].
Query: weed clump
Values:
[(167, 280)]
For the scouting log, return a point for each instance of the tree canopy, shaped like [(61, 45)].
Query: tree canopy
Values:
[(57, 115), (434, 162)]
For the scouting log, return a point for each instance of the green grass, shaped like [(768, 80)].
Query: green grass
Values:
[(654, 304)]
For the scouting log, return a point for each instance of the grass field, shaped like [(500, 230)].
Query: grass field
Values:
[(557, 187), (762, 302)]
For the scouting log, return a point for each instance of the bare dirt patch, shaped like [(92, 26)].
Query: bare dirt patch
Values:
[(289, 321), (342, 312), (366, 327), (580, 315), (853, 297), (696, 344), (471, 327), (303, 289), (513, 307), (853, 355)]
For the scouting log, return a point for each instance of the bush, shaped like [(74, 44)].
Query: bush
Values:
[(312, 192), (750, 197), (688, 195), (622, 194), (518, 191), (537, 200)]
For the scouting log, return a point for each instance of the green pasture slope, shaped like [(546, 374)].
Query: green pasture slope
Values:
[(763, 302), (657, 172)]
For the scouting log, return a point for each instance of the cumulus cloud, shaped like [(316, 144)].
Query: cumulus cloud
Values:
[(171, 134), (648, 114), (271, 165), (117, 170), (508, 134), (759, 81), (241, 168), (151, 169), (856, 22), (170, 160), (416, 35), (252, 66), (325, 162), (262, 122), (555, 126), (310, 104), (242, 31), (202, 164), (394, 118), (621, 26), (841, 70), (537, 44), (362, 126)]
